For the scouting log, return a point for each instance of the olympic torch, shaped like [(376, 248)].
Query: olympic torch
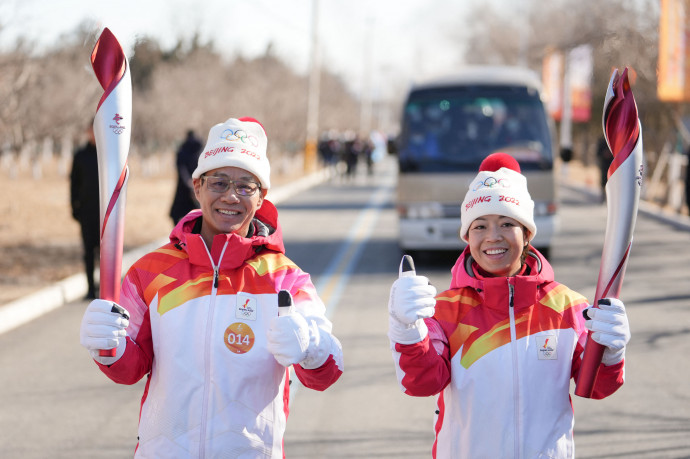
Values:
[(623, 133), (112, 129)]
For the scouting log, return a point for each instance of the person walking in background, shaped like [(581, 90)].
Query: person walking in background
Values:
[(353, 149), (186, 161), (200, 317), (687, 180), (604, 159), (368, 153), (84, 196), (500, 347)]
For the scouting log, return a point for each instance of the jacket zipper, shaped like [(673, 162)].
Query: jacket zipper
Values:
[(516, 376), (207, 351)]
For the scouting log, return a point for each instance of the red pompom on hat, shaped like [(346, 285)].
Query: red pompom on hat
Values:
[(495, 161), (253, 120)]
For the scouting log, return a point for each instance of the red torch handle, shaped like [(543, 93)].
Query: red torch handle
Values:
[(589, 369), (594, 351), (112, 352)]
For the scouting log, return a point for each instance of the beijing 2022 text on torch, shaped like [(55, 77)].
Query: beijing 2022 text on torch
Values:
[(112, 127), (623, 133)]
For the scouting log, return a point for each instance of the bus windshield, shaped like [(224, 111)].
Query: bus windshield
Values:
[(454, 129)]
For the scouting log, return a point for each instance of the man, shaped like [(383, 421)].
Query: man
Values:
[(85, 207), (201, 318)]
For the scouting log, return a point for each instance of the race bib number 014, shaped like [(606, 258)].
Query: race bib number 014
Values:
[(239, 338)]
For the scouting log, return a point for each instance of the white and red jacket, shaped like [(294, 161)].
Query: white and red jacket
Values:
[(500, 354), (198, 322)]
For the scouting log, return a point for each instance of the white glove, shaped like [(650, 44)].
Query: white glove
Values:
[(292, 341), (411, 301), (104, 327), (609, 326)]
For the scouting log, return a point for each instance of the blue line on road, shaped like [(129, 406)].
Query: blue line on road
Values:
[(332, 282)]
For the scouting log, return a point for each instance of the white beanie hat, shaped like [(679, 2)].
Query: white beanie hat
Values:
[(237, 143), (498, 189)]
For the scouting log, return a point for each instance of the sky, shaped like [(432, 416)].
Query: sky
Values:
[(375, 44)]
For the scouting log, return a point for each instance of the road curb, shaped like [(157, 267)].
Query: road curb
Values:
[(72, 288), (649, 209)]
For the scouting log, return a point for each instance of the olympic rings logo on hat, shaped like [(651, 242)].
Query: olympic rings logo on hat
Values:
[(491, 182), (240, 135)]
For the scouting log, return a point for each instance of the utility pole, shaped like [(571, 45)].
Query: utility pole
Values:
[(365, 114), (566, 133), (310, 156), (525, 30)]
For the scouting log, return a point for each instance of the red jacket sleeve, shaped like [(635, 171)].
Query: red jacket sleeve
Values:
[(310, 305), (319, 378), (423, 368)]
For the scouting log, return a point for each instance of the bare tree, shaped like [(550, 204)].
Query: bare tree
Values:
[(54, 94), (622, 34)]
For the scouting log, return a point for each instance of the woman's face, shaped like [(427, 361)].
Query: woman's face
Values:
[(226, 212), (496, 243)]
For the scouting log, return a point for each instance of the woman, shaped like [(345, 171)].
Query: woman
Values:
[(500, 346), (199, 317)]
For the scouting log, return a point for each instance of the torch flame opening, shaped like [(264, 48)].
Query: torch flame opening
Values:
[(621, 122), (109, 62)]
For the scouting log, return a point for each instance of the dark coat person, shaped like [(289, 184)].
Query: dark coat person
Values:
[(687, 181), (85, 206), (187, 157)]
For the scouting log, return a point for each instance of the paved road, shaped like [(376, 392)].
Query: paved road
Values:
[(55, 403)]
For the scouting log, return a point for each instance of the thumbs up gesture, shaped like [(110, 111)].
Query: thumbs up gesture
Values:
[(293, 339), (411, 301)]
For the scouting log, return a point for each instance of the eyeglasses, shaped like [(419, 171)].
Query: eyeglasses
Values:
[(222, 185)]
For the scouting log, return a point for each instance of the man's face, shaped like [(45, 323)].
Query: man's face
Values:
[(226, 212)]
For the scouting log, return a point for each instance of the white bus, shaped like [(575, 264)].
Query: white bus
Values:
[(448, 127)]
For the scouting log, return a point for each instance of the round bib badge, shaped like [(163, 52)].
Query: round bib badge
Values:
[(239, 338)]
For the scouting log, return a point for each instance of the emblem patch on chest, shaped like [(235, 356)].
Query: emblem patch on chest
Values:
[(246, 307), (547, 347)]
